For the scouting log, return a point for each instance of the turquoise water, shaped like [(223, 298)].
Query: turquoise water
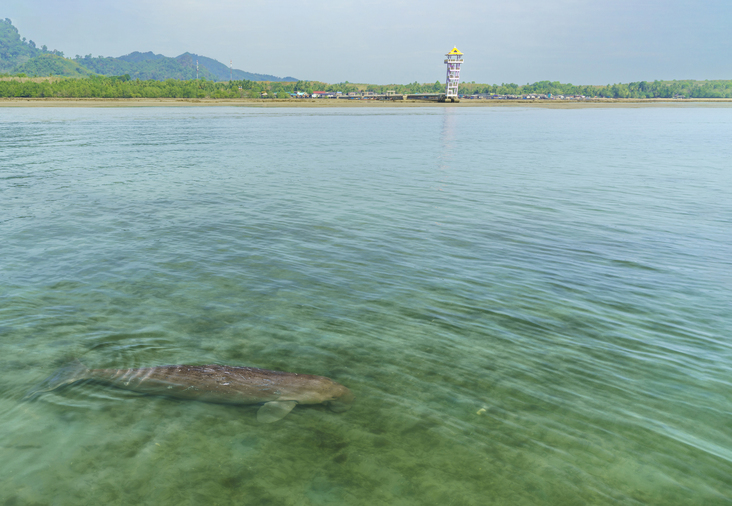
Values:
[(532, 306)]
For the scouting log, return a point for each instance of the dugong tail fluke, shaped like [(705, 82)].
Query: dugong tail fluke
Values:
[(70, 373), (278, 391)]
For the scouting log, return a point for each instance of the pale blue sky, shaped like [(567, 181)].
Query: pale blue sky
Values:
[(379, 41)]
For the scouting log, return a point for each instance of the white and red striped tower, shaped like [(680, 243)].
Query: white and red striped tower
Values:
[(453, 61)]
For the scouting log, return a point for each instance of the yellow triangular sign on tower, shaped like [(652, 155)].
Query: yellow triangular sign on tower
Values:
[(454, 51)]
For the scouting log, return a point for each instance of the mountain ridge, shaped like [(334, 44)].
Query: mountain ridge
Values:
[(20, 56)]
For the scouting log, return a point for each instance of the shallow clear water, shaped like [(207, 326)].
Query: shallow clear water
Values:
[(532, 306)]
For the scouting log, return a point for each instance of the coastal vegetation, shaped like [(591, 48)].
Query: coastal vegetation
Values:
[(95, 86), (642, 89), (125, 87)]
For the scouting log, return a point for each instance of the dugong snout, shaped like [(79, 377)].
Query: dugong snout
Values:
[(342, 401)]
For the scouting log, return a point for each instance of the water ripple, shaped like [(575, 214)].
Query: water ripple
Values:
[(525, 319)]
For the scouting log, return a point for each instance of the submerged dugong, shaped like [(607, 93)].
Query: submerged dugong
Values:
[(279, 391)]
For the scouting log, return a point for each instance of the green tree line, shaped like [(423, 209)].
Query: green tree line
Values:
[(125, 87), (642, 89)]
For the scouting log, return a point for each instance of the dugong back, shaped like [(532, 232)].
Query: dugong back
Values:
[(279, 391)]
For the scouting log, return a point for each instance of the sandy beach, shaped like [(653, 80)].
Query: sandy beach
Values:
[(248, 102)]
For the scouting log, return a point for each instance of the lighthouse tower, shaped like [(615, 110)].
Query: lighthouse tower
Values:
[(453, 61)]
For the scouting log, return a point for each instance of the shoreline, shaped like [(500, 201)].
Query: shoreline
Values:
[(330, 103)]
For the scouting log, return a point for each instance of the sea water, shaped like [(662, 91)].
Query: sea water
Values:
[(532, 306)]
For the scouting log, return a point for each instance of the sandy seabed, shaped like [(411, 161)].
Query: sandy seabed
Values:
[(189, 102)]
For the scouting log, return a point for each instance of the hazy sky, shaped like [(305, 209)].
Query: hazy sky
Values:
[(400, 41)]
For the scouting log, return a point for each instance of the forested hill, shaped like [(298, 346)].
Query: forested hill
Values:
[(156, 66), (222, 73), (145, 66), (20, 56), (14, 51)]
